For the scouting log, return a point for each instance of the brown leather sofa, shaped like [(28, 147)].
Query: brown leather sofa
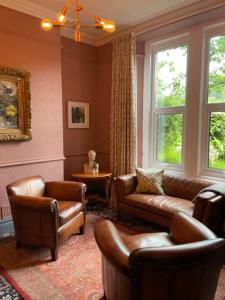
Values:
[(208, 207), (184, 264), (45, 213)]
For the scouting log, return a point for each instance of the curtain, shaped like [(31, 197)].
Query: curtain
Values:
[(123, 106)]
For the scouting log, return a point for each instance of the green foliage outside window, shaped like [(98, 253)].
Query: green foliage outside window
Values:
[(216, 94), (216, 86), (170, 92), (171, 77), (169, 138), (217, 140)]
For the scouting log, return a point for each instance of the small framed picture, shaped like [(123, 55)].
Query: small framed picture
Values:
[(78, 114)]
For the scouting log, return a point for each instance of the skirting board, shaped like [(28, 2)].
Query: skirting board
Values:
[(6, 228)]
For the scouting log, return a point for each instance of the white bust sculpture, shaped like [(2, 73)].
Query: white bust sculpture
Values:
[(91, 167)]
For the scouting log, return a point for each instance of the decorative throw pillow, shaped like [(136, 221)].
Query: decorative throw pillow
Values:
[(149, 181)]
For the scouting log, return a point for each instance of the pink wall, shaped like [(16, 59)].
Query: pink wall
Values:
[(79, 80), (86, 77), (61, 71), (25, 46)]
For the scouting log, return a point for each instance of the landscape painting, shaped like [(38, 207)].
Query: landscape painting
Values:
[(9, 105), (15, 108)]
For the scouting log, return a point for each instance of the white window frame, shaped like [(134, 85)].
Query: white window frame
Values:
[(207, 108), (150, 112)]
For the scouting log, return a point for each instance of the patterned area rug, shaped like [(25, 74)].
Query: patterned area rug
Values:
[(76, 275), (101, 209), (9, 289)]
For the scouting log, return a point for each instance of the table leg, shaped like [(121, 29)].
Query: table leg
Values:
[(107, 185)]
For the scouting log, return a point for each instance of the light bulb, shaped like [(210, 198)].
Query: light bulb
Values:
[(61, 17), (46, 24), (108, 25)]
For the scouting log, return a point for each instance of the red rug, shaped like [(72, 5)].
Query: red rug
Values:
[(76, 275)]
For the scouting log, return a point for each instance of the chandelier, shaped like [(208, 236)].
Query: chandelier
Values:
[(61, 20)]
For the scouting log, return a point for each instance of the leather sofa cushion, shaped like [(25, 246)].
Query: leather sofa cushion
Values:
[(162, 205), (68, 210), (145, 240)]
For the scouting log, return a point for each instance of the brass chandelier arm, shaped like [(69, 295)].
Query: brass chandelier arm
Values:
[(81, 26)]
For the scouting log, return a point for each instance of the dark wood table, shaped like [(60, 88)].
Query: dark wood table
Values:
[(106, 176)]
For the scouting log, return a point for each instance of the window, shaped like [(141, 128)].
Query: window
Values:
[(214, 126), (168, 94), (184, 103)]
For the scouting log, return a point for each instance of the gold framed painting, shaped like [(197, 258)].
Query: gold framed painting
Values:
[(15, 105), (78, 114)]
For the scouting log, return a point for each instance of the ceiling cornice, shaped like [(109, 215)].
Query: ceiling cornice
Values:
[(28, 8), (177, 15), (195, 8), (165, 19)]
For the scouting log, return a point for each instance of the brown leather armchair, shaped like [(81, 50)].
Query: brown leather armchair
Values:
[(45, 213), (183, 264)]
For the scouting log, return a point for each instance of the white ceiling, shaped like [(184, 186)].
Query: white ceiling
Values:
[(125, 13)]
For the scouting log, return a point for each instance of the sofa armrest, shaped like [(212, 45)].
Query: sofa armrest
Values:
[(66, 190), (125, 185), (111, 244), (209, 209)]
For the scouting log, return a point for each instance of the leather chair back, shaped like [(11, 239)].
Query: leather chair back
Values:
[(31, 186)]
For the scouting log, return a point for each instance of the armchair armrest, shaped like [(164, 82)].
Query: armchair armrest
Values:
[(185, 229), (35, 220), (66, 190), (111, 244), (125, 185), (35, 203)]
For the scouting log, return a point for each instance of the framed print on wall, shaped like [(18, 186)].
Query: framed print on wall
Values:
[(15, 108), (78, 114)]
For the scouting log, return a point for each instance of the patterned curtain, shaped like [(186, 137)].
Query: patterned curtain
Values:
[(123, 106)]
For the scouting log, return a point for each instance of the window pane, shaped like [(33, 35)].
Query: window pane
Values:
[(171, 69), (169, 138), (217, 140), (216, 87)]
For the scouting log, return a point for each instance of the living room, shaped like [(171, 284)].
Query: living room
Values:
[(63, 71)]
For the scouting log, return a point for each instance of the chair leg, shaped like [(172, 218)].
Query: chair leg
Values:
[(54, 254), (18, 244), (82, 229)]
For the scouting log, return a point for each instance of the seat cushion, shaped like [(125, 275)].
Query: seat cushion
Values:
[(162, 205), (146, 240), (68, 210)]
